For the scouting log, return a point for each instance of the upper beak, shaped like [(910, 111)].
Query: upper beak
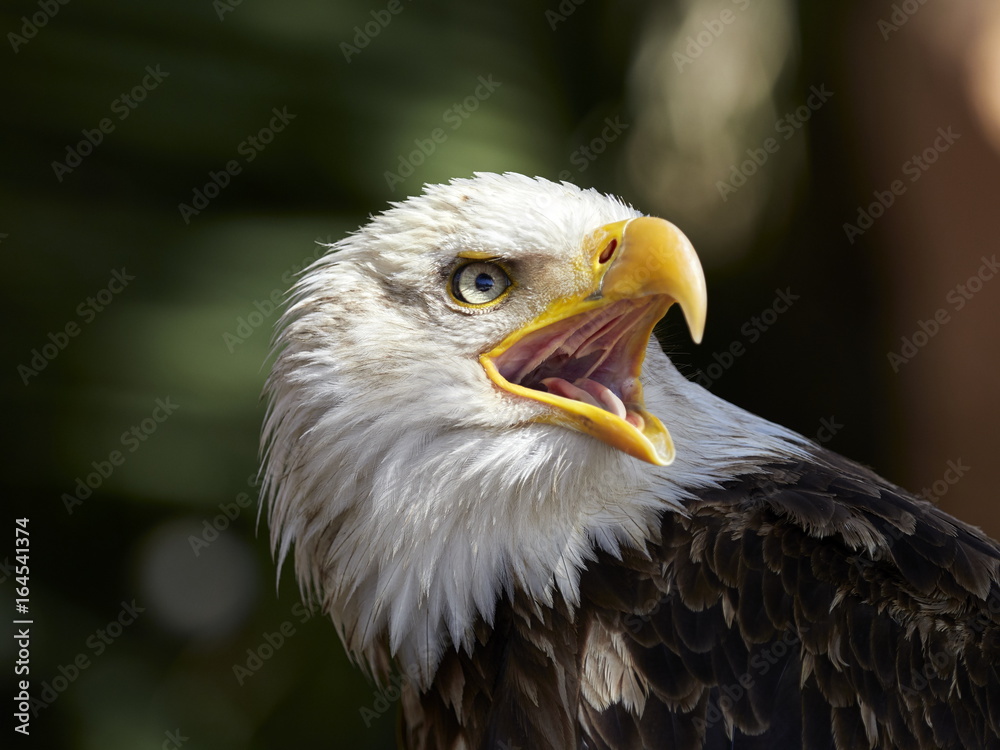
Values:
[(583, 355)]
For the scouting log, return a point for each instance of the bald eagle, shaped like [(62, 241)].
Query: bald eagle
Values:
[(514, 507)]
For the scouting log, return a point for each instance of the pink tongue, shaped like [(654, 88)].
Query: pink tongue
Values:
[(589, 392)]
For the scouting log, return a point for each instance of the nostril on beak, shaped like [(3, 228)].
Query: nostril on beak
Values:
[(608, 251)]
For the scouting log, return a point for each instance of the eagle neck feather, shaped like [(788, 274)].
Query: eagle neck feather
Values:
[(408, 536)]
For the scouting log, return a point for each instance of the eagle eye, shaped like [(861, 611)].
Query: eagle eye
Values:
[(479, 283)]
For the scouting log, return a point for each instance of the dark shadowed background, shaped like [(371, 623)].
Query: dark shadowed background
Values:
[(167, 169)]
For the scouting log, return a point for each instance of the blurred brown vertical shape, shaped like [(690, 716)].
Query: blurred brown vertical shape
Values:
[(939, 68)]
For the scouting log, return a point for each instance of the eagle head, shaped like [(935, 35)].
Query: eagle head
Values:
[(466, 400)]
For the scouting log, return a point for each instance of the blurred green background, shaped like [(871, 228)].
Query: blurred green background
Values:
[(157, 620)]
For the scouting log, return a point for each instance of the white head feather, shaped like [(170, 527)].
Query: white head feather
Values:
[(413, 490)]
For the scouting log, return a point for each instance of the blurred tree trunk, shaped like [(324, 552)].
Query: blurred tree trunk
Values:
[(916, 78)]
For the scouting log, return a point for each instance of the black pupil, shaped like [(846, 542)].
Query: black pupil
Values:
[(484, 282)]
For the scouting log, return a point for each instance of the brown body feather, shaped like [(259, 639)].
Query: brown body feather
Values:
[(812, 605)]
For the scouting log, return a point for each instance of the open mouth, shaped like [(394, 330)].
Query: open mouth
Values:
[(593, 358), (588, 366), (582, 356)]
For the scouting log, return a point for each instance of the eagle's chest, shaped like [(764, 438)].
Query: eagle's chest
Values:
[(518, 687)]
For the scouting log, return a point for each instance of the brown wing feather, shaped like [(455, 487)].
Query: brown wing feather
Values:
[(812, 605), (839, 612)]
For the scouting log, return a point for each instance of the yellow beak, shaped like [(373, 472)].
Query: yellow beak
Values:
[(583, 355)]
